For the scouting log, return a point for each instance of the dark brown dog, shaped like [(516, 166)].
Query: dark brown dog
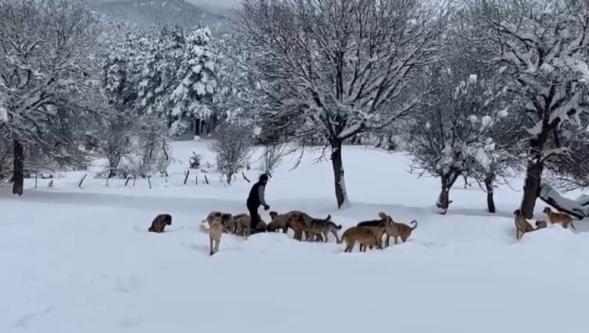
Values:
[(160, 222)]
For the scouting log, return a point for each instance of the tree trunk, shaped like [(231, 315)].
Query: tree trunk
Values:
[(444, 198), (532, 187), (18, 169), (338, 173), (489, 187)]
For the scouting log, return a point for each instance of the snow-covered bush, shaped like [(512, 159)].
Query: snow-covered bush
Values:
[(232, 144)]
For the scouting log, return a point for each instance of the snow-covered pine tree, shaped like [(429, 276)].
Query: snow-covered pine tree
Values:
[(193, 92)]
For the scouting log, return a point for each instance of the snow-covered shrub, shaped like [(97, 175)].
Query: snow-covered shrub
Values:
[(233, 145)]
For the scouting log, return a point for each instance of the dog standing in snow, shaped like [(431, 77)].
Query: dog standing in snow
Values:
[(322, 227), (363, 235), (522, 226), (398, 230), (215, 232), (377, 226), (160, 222), (561, 218)]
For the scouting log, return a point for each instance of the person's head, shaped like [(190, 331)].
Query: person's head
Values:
[(263, 179)]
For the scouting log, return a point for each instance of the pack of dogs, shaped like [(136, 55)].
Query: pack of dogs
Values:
[(523, 225), (368, 234)]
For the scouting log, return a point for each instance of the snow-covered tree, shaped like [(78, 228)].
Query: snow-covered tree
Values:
[(339, 68), (46, 66), (542, 52), (450, 133), (196, 84)]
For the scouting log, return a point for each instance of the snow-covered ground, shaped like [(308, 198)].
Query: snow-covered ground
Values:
[(80, 260)]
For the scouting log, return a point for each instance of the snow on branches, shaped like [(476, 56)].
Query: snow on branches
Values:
[(451, 132), (542, 56), (339, 67)]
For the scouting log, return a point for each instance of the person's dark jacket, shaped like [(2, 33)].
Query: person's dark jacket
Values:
[(256, 196)]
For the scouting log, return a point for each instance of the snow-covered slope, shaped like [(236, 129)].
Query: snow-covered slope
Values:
[(80, 260)]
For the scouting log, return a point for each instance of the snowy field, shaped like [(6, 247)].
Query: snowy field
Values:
[(80, 260)]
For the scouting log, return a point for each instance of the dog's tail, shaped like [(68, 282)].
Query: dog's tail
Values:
[(328, 218), (415, 224), (338, 226)]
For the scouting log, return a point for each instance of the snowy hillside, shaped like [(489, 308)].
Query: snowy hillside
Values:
[(80, 259), (161, 12)]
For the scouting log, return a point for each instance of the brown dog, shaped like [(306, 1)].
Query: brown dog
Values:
[(362, 235), (160, 222), (279, 222), (377, 226), (561, 218), (398, 230), (296, 221), (215, 232), (522, 226), (242, 223), (228, 223)]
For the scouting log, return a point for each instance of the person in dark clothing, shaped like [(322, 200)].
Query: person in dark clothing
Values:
[(256, 199)]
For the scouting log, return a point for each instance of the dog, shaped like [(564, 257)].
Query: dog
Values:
[(278, 222), (363, 235), (242, 225), (228, 222), (160, 222), (296, 221), (323, 227), (522, 226), (216, 229), (377, 226), (560, 218), (398, 230)]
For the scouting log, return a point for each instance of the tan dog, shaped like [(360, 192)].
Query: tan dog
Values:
[(160, 222), (398, 230), (377, 226), (522, 226), (242, 224), (215, 232), (362, 235), (296, 221), (560, 218), (278, 222), (228, 223)]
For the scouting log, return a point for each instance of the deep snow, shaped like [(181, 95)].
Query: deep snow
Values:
[(80, 260)]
